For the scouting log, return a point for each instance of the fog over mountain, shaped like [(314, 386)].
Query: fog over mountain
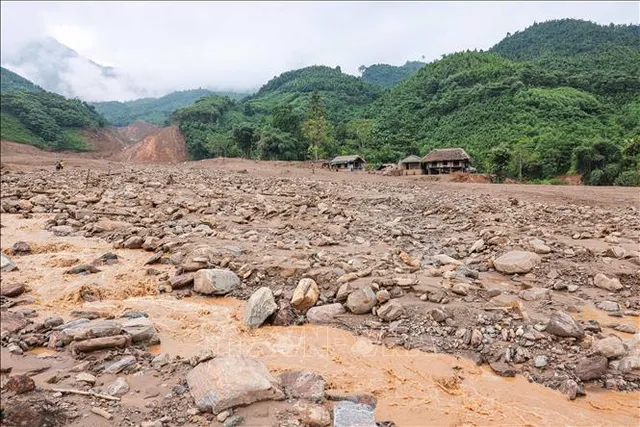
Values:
[(122, 51)]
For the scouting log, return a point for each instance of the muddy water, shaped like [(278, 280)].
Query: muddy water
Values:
[(413, 388)]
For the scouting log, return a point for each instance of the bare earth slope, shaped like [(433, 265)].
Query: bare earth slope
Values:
[(166, 145), (134, 132)]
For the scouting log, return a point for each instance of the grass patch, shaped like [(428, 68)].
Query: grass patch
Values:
[(12, 130)]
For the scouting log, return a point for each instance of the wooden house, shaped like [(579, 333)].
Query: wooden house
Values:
[(411, 165), (351, 163), (446, 160)]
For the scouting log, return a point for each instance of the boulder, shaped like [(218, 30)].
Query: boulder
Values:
[(325, 313), (11, 289), (630, 364), (390, 311), (343, 292), (86, 330), (160, 360), (603, 282), (6, 264), (361, 301), (516, 262), (133, 242), (535, 294), (611, 347), (350, 414), (313, 415), (477, 246), (539, 247), (447, 260), (118, 388), (120, 365), (93, 344), (591, 368), (563, 325), (260, 306), (229, 381), (20, 248), (285, 315), (383, 296), (303, 385), (305, 295), (215, 281), (141, 330), (616, 252), (20, 384)]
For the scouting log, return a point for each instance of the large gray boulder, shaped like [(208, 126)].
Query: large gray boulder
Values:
[(361, 301), (610, 347), (516, 262), (229, 381), (325, 313), (6, 264), (86, 330), (390, 311), (260, 306), (141, 330), (215, 281), (603, 282), (591, 368), (350, 414), (563, 325)]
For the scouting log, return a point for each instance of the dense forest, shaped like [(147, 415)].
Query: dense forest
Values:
[(559, 97), (154, 110), (31, 115), (386, 76)]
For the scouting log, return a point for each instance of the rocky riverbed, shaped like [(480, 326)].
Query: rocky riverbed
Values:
[(204, 295)]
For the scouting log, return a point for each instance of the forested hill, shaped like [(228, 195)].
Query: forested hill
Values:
[(386, 76), (549, 111), (11, 82), (44, 119), (154, 110)]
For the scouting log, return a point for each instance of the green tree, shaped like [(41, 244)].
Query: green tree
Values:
[(245, 136), (500, 158), (317, 129)]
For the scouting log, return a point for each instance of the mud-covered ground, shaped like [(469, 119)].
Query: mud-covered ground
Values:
[(510, 285)]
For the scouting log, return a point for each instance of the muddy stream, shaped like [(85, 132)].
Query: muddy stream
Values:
[(413, 388)]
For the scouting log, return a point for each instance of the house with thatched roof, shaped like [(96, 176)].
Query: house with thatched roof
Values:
[(351, 163), (411, 165), (446, 160)]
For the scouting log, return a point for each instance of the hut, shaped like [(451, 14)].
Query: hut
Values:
[(352, 163), (446, 160), (411, 165)]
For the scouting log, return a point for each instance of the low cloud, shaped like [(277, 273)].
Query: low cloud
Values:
[(160, 47)]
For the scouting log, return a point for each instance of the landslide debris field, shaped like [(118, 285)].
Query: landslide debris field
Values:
[(232, 292)]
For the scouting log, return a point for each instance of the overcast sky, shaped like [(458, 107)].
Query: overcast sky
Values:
[(241, 45)]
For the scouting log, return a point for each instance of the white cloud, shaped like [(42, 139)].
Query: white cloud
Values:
[(167, 46)]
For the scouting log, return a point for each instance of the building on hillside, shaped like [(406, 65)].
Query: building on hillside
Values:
[(446, 160), (351, 163), (411, 165)]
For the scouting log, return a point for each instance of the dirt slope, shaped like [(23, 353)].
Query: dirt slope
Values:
[(103, 143), (134, 132), (166, 145)]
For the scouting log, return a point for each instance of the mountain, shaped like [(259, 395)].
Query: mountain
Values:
[(154, 110), (532, 99), (386, 76), (58, 68), (11, 82), (44, 119)]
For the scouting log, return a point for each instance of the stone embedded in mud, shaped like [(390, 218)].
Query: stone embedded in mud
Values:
[(570, 388), (446, 260), (215, 281), (313, 415), (11, 289), (591, 368), (343, 292), (615, 252), (390, 311), (6, 264), (477, 246), (630, 365), (563, 325), (120, 365), (535, 294), (516, 262), (141, 330), (84, 330), (181, 281), (20, 248), (229, 381), (361, 301), (611, 347), (233, 421), (93, 344), (503, 369), (303, 385), (603, 282), (118, 388), (539, 247), (461, 289), (305, 295), (20, 384), (285, 315), (610, 306), (82, 268), (260, 306), (349, 414), (11, 321), (439, 314), (86, 377), (160, 360), (133, 242), (325, 313), (151, 243), (383, 296)]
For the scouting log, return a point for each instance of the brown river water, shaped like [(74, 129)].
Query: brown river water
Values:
[(413, 388)]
